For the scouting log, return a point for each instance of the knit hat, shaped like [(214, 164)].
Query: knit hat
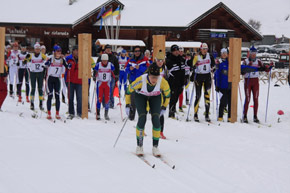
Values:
[(154, 70), (160, 56), (224, 50), (56, 48), (253, 49), (174, 48), (181, 49), (36, 45), (104, 57), (108, 46), (203, 46), (124, 51), (43, 47)]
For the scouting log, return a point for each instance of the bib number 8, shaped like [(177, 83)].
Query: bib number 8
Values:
[(104, 76)]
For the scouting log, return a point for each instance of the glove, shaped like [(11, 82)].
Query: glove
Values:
[(128, 109), (217, 89), (69, 65), (27, 56), (162, 111), (94, 79)]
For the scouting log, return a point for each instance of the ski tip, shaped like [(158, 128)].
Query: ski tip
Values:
[(173, 167), (153, 166)]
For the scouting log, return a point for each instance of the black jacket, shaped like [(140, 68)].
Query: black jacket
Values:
[(175, 66)]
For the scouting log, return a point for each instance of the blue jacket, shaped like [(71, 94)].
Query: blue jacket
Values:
[(135, 73), (221, 74)]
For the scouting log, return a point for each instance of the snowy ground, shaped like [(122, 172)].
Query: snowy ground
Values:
[(39, 156)]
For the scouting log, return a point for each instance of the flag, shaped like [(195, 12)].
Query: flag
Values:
[(101, 23), (117, 11), (116, 92), (101, 12), (107, 13)]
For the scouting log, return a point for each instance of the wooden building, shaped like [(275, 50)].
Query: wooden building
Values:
[(214, 27)]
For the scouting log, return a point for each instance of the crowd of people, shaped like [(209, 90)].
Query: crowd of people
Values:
[(150, 84)]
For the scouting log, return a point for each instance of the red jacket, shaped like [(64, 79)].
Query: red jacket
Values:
[(72, 73)]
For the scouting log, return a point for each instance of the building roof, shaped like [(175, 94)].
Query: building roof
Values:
[(115, 42), (183, 44)]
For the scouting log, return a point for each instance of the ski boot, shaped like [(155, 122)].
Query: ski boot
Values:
[(229, 120), (196, 118), (98, 117), (32, 106), (220, 119), (19, 99), (245, 119), (70, 116), (49, 115), (207, 119), (106, 115), (27, 99), (156, 152), (256, 120), (162, 135), (41, 106), (171, 115), (57, 115), (139, 151), (181, 110)]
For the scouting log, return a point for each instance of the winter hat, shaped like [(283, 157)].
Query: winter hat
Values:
[(154, 70), (56, 48), (104, 57), (253, 49), (181, 49), (43, 47), (224, 50), (108, 46), (36, 45), (147, 52), (203, 46), (7, 47), (174, 48), (124, 51), (160, 56)]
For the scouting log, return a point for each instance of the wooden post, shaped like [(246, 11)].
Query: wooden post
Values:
[(158, 44), (2, 49), (84, 55), (234, 74)]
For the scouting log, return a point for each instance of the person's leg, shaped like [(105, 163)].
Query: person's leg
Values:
[(198, 87), (20, 80), (229, 102), (72, 90), (79, 99), (40, 85), (3, 91), (106, 92), (223, 102), (121, 79), (256, 95), (180, 98), (12, 73), (155, 107), (27, 87), (33, 85), (112, 86), (57, 94), (141, 103), (125, 81), (133, 107), (207, 89), (50, 86), (247, 88)]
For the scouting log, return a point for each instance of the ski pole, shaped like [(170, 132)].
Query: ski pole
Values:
[(93, 97), (120, 132), (191, 98), (217, 104), (268, 97)]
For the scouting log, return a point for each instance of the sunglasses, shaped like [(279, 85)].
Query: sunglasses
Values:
[(160, 60)]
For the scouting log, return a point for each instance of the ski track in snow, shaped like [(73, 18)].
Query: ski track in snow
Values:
[(39, 156)]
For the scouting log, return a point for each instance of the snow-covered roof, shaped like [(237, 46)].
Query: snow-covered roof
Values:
[(183, 44), (120, 42), (165, 13), (47, 12), (217, 30)]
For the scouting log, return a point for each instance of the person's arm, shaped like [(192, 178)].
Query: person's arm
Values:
[(135, 85), (212, 61), (93, 64), (166, 92)]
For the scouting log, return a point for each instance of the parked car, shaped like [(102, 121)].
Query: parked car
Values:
[(280, 48)]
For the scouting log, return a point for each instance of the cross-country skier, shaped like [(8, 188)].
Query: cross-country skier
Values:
[(252, 83), (12, 62), (104, 70), (23, 73), (148, 88), (55, 68), (203, 64), (123, 59), (36, 62)]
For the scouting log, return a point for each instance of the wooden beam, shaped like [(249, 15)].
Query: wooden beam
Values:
[(158, 44), (234, 74), (84, 55), (2, 49)]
